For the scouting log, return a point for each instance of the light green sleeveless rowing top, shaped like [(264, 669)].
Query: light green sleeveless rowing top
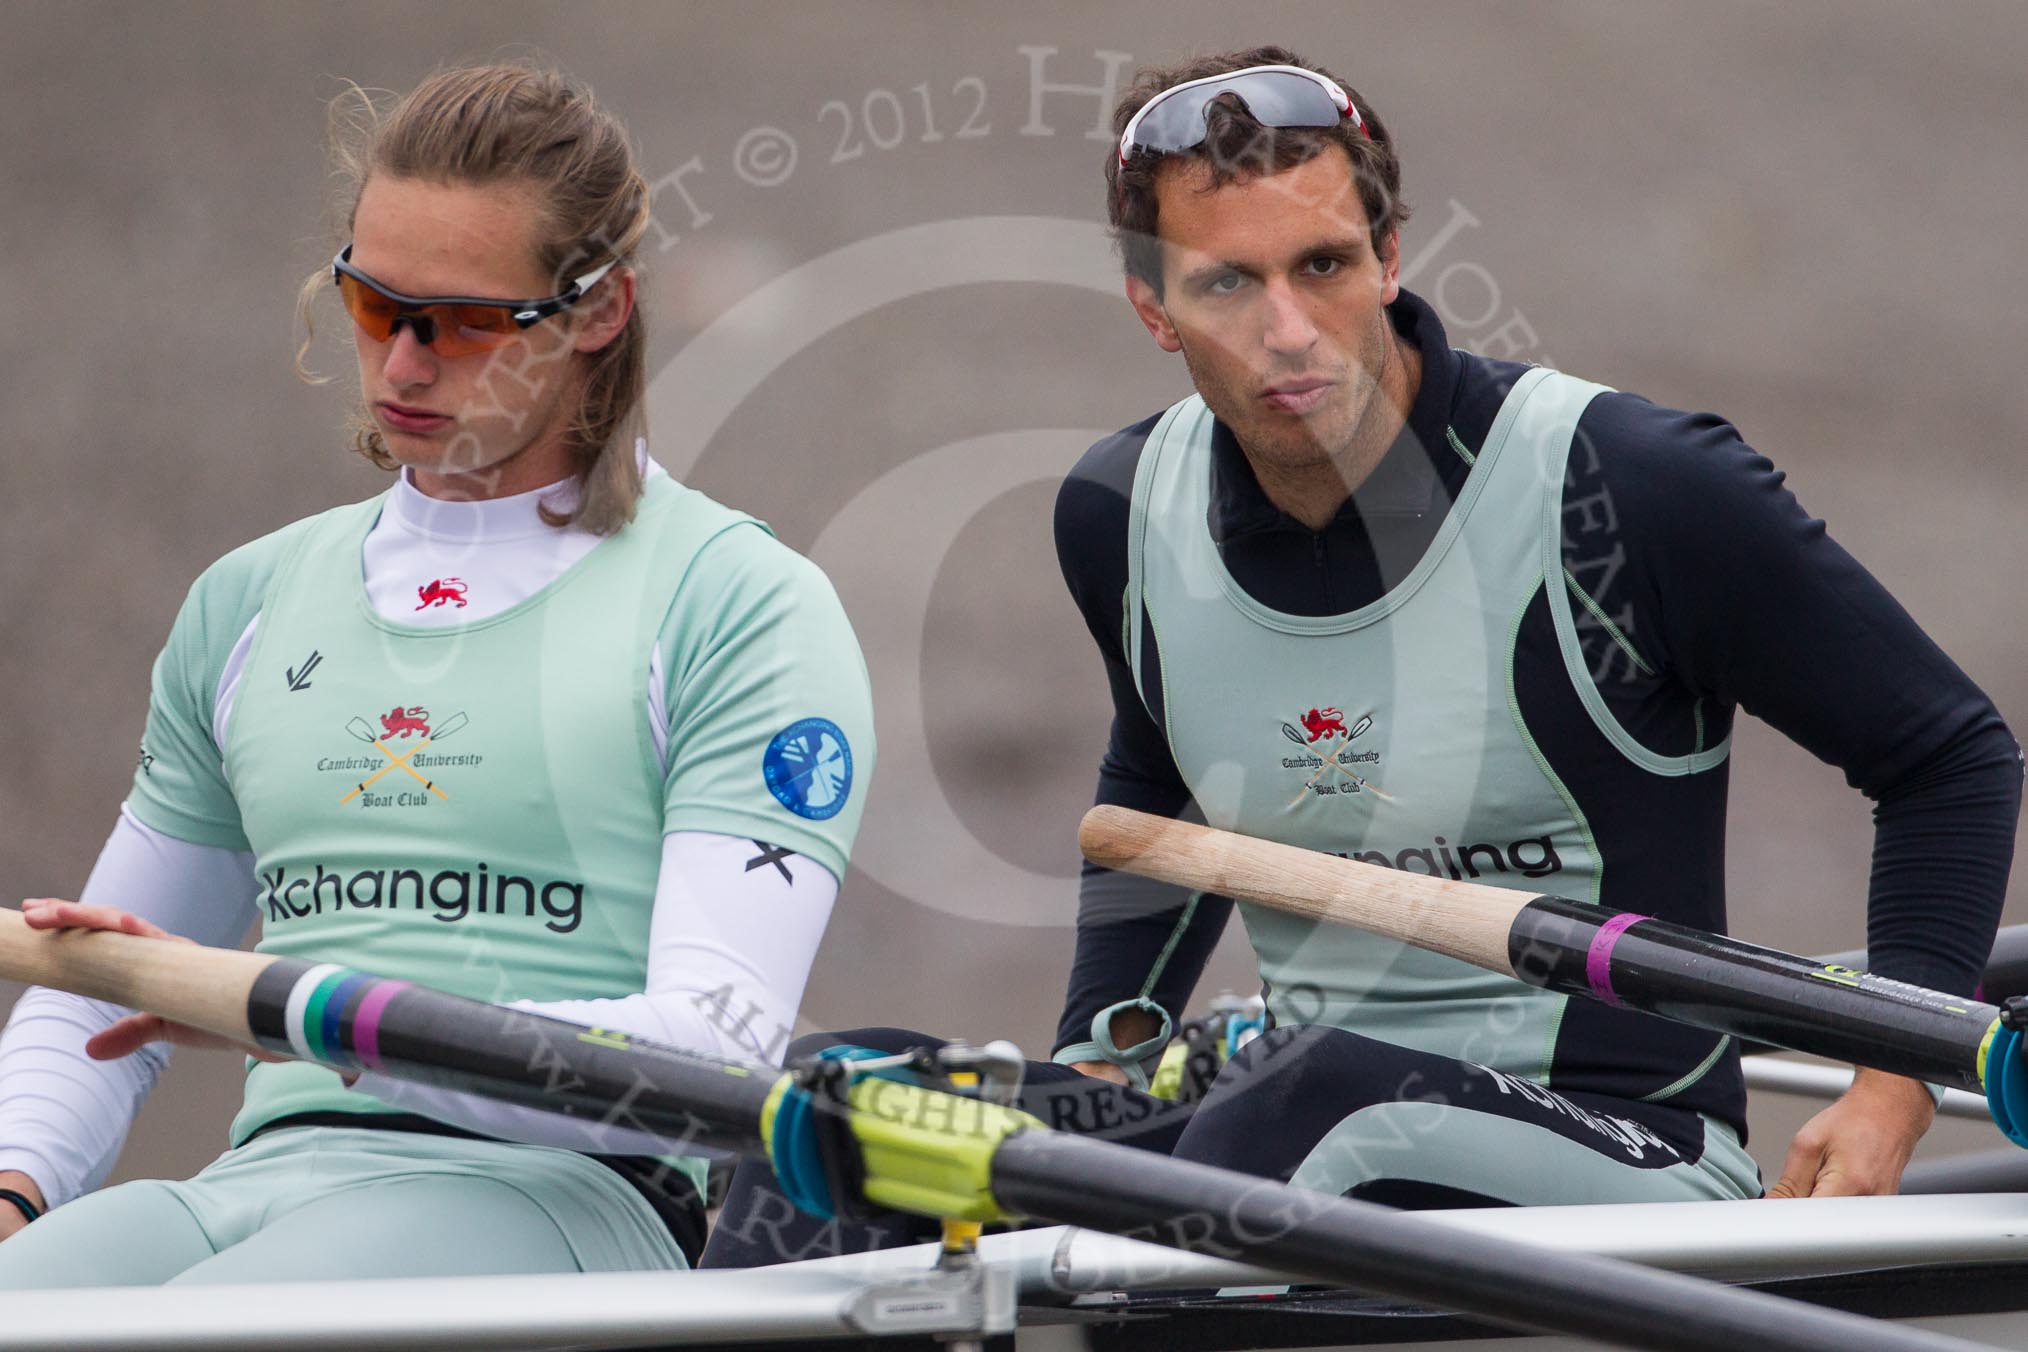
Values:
[(479, 809), (1389, 735)]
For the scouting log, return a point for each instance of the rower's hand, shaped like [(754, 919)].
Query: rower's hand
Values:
[(126, 1036), (1101, 1070), (1129, 1028), (1859, 1145)]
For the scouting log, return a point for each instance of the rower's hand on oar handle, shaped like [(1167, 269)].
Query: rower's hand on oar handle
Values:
[(1859, 1145), (126, 1036)]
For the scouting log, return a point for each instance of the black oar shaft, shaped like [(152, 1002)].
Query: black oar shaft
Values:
[(1732, 987), (2006, 966), (345, 1018), (429, 1037), (1372, 1248), (342, 1017), (1626, 959), (2006, 975)]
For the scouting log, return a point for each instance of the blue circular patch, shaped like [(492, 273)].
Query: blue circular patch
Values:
[(808, 768)]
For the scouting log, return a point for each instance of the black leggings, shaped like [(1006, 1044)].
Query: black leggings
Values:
[(1332, 1110)]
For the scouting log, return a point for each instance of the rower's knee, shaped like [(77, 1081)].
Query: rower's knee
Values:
[(1283, 1093)]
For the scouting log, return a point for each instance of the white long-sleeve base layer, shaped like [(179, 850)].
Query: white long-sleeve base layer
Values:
[(64, 1116), (729, 949)]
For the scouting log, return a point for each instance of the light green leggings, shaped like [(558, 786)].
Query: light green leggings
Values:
[(310, 1203)]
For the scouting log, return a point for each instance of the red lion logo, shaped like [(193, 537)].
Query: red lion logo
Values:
[(451, 589), (401, 722), (1324, 723)]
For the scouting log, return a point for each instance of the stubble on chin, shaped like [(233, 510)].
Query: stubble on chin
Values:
[(1285, 443)]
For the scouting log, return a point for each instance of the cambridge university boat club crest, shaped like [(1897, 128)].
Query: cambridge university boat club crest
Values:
[(1327, 756), (403, 742)]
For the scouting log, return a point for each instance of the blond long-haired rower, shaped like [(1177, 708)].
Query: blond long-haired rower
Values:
[(537, 725)]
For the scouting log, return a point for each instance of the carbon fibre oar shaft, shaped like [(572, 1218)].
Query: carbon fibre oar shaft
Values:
[(2006, 973), (1619, 957), (348, 1019), (917, 1143), (1729, 986)]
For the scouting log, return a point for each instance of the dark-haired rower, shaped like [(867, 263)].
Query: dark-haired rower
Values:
[(1366, 593)]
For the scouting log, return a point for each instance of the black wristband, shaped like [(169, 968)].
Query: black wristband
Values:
[(27, 1208)]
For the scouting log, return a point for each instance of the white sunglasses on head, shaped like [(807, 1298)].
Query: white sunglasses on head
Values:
[(1276, 96)]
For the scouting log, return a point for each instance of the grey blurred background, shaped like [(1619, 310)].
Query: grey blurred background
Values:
[(1804, 216)]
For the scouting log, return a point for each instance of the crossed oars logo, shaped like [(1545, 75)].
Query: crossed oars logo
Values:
[(1331, 761), (358, 728)]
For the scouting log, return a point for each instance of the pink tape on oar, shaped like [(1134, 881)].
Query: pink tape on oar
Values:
[(1598, 959), (366, 1023)]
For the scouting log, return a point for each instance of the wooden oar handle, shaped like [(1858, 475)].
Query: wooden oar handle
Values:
[(1577, 948), (204, 987), (1468, 921)]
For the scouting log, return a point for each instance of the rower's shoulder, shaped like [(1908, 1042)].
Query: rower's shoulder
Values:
[(227, 595), (1660, 446), (1656, 460), (1091, 522), (1685, 441), (1675, 473), (742, 567), (1092, 502)]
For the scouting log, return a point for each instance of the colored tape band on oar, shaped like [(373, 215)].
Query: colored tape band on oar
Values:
[(1598, 958), (366, 1022), (331, 1015), (295, 1015), (325, 1017)]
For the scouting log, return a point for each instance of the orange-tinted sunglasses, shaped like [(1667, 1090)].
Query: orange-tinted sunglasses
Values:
[(450, 326)]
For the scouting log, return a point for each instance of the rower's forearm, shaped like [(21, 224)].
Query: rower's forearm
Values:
[(64, 1116), (1943, 847), (1868, 1080), (1136, 939), (1914, 1102)]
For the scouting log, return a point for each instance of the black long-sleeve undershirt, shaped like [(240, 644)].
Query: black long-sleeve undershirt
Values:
[(1725, 594)]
